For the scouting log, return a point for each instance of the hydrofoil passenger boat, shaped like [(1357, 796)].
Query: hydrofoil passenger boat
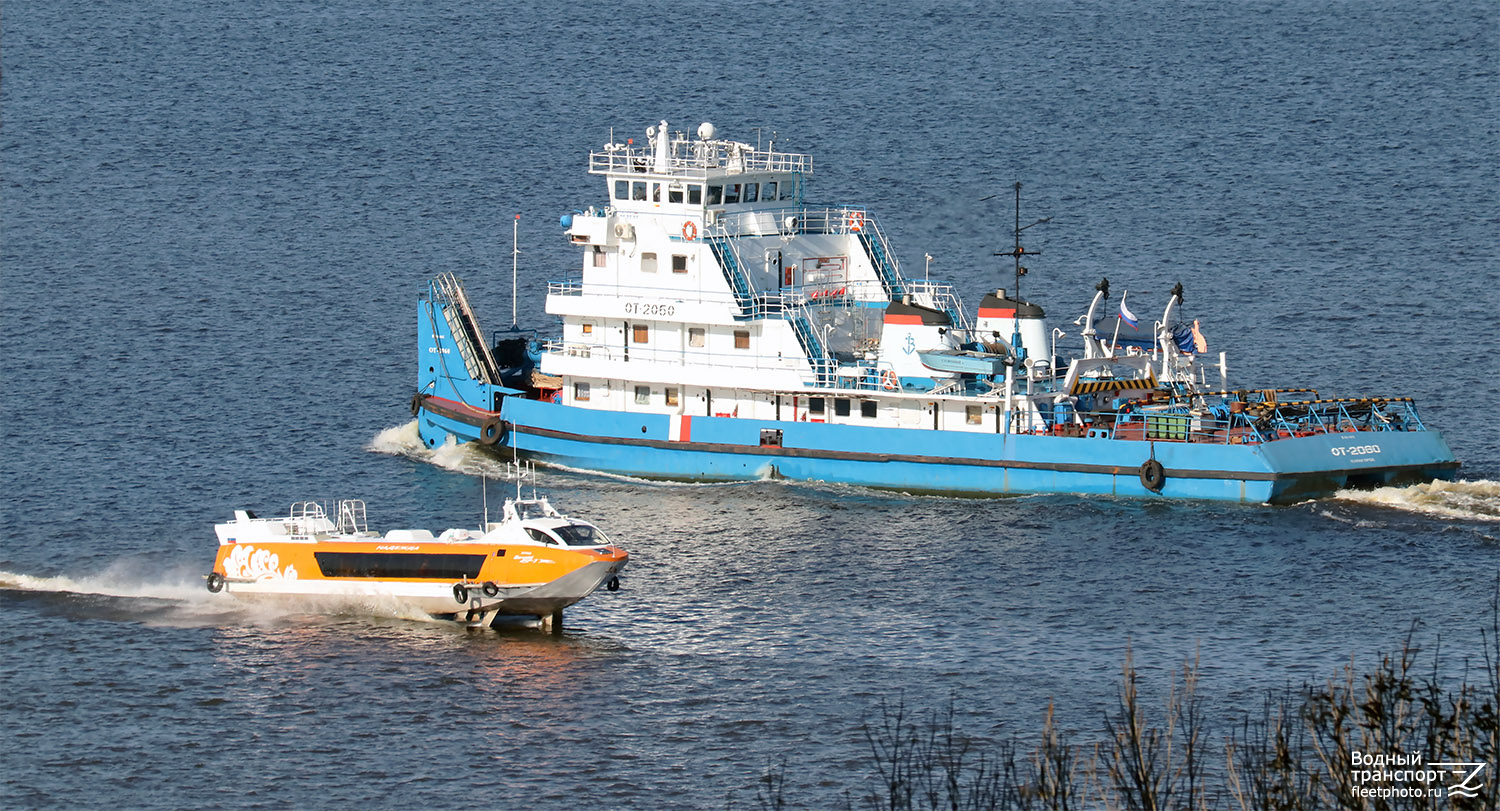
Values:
[(534, 562), (721, 326)]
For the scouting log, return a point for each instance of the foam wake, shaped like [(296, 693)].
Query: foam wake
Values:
[(1474, 501), (469, 458)]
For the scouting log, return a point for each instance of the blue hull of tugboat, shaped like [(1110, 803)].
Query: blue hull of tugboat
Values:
[(928, 461)]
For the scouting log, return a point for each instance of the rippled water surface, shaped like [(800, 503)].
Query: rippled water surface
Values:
[(216, 222)]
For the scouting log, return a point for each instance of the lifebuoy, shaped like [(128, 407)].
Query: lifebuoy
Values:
[(888, 380), (689, 231), (215, 582), (490, 589), (856, 220), (1152, 475), (460, 593), (489, 431)]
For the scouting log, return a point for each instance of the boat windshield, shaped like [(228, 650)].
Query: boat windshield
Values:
[(580, 535)]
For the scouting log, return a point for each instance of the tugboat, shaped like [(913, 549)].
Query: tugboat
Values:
[(534, 562), (721, 327)]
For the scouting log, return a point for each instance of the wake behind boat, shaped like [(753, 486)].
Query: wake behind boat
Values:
[(721, 327), (534, 562)]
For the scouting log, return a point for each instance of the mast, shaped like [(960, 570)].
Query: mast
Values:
[(515, 260)]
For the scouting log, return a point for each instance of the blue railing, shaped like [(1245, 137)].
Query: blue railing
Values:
[(734, 273)]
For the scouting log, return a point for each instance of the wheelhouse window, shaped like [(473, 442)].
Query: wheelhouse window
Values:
[(731, 194), (640, 333), (715, 195), (622, 190), (643, 395), (695, 336), (656, 192), (648, 262), (742, 339), (671, 393), (580, 535), (867, 409), (768, 190), (841, 406), (695, 194), (679, 263), (581, 391), (751, 192), (674, 194), (815, 405), (638, 190), (789, 190)]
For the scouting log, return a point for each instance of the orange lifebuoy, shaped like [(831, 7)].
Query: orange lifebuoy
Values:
[(888, 380), (856, 220), (689, 231)]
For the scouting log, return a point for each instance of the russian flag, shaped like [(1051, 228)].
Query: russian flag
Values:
[(1126, 315)]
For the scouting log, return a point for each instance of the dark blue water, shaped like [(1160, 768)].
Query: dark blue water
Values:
[(215, 223)]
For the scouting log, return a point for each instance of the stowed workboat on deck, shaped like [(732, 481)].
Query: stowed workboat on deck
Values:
[(721, 327), (534, 562)]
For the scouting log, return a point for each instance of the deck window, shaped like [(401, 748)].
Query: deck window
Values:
[(679, 263), (731, 194), (867, 409), (974, 415), (768, 190), (638, 190), (656, 192), (598, 257), (715, 195), (643, 395), (648, 262), (581, 391), (674, 195), (742, 339), (588, 328), (751, 190), (622, 189), (399, 564), (841, 406), (695, 194), (671, 393), (640, 333), (695, 336), (815, 405)]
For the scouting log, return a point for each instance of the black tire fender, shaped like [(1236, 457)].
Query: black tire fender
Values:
[(490, 589), (215, 582), (490, 431), (1153, 476), (460, 593)]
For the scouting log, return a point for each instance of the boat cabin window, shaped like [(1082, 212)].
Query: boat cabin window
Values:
[(588, 328), (695, 336), (648, 262), (580, 535), (671, 395), (580, 391), (815, 405), (695, 194), (789, 190), (731, 194), (679, 263), (715, 195), (742, 339), (638, 190), (674, 194), (598, 257), (867, 409), (656, 192), (841, 406), (622, 190), (750, 192), (642, 395), (973, 415), (641, 333), (398, 564), (540, 536), (768, 190)]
